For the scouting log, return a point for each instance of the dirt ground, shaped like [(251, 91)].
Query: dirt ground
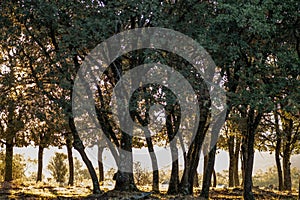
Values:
[(44, 191)]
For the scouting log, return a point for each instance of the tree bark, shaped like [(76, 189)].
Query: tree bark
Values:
[(287, 171), (231, 161), (71, 161), (287, 150), (80, 148), (192, 160), (155, 172), (100, 163), (205, 162), (236, 162), (242, 167), (248, 156), (124, 176), (174, 179), (214, 174), (9, 160), (253, 121), (40, 163), (209, 168), (277, 153)]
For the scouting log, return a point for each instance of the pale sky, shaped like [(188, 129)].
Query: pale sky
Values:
[(263, 160)]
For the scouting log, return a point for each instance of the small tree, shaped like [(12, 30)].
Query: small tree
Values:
[(138, 172), (81, 173), (58, 167)]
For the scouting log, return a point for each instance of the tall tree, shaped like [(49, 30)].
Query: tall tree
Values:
[(52, 44)]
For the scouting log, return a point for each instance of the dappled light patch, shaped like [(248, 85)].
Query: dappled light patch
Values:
[(259, 193)]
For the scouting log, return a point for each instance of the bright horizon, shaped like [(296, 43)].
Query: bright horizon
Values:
[(262, 160)]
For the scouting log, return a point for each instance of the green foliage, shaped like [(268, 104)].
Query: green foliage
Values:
[(254, 43), (19, 166), (58, 167)]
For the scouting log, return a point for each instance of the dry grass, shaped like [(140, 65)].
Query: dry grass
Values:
[(27, 190)]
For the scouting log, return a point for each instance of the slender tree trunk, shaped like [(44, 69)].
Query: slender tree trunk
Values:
[(209, 168), (80, 148), (100, 163), (190, 167), (236, 162), (242, 167), (231, 161), (174, 180), (155, 172), (278, 164), (277, 153), (214, 174), (71, 161), (40, 163), (8, 160), (205, 162), (193, 153)]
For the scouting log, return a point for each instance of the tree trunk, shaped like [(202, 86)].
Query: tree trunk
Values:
[(205, 162), (174, 180), (287, 150), (287, 171), (253, 121), (277, 153), (124, 176), (231, 161), (215, 179), (192, 160), (100, 163), (155, 172), (193, 153), (40, 163), (71, 162), (248, 156), (236, 162), (278, 164), (209, 168), (242, 167), (8, 160), (80, 148)]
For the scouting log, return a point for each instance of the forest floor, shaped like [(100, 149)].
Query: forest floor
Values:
[(45, 191)]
